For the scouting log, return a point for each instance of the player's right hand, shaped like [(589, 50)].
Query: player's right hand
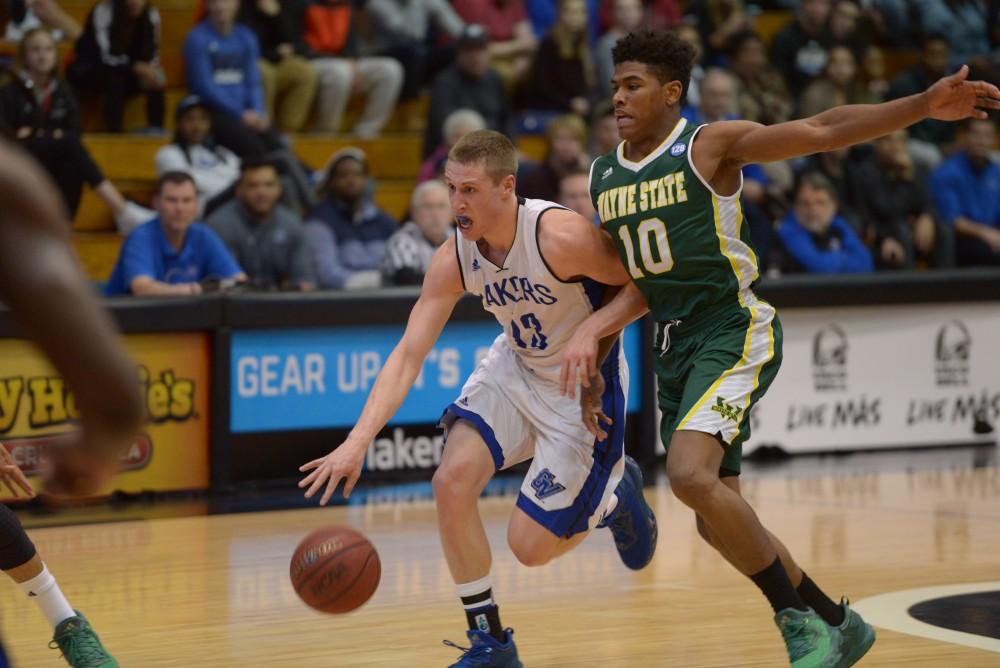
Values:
[(12, 476), (592, 408), (579, 362), (344, 463)]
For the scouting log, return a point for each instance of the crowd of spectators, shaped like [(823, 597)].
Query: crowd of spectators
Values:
[(257, 70)]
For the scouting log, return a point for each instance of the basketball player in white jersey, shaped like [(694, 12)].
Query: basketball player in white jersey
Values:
[(534, 264)]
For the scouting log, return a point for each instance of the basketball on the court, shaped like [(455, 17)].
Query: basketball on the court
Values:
[(335, 569)]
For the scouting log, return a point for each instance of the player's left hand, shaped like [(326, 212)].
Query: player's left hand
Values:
[(12, 476), (592, 408), (579, 362), (953, 98), (73, 472)]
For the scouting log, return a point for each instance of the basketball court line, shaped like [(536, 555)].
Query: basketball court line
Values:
[(890, 611)]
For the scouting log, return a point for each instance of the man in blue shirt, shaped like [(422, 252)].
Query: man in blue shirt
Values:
[(171, 254), (966, 189), (220, 58), (816, 239)]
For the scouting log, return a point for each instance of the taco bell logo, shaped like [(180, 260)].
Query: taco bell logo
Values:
[(830, 359), (952, 349)]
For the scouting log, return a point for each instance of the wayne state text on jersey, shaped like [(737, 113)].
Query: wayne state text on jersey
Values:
[(652, 194), (516, 289)]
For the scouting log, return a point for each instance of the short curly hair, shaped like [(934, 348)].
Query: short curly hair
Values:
[(666, 55)]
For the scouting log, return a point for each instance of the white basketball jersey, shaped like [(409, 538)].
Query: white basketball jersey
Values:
[(537, 311)]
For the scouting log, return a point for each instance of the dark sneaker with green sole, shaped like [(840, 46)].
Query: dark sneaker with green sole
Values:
[(79, 644), (810, 641), (856, 636)]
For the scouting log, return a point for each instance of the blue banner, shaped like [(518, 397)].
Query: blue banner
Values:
[(319, 378)]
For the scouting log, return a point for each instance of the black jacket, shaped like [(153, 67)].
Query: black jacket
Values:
[(19, 108), (112, 40)]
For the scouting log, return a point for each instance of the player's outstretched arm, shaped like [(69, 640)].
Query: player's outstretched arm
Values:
[(731, 144), (441, 291), (41, 281)]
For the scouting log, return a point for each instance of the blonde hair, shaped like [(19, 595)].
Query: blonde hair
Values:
[(493, 150)]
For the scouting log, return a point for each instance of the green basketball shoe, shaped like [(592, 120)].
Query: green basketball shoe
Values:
[(810, 641), (856, 636), (79, 644)]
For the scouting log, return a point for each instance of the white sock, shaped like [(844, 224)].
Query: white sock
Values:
[(479, 592), (45, 590)]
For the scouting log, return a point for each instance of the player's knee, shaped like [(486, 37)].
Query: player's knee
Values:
[(528, 551), (456, 480), (16, 548), (689, 483)]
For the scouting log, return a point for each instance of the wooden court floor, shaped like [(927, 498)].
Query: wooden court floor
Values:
[(213, 591)]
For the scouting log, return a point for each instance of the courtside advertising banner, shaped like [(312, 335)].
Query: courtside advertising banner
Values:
[(286, 380), (887, 376), (38, 412)]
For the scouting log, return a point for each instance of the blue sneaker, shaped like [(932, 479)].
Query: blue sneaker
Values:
[(632, 523), (487, 651)]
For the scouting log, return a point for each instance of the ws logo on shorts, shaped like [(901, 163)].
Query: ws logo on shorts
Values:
[(727, 411), (545, 484)]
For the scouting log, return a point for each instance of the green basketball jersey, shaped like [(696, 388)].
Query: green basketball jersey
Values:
[(687, 248)]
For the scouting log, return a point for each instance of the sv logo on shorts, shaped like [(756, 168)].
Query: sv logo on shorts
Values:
[(727, 411), (545, 484)]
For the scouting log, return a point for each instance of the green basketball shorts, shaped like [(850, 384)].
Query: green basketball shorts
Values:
[(712, 371)]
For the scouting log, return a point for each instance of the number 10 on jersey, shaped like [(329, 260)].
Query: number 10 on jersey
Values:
[(654, 248)]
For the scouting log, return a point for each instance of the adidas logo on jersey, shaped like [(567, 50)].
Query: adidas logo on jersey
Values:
[(607, 173), (475, 264)]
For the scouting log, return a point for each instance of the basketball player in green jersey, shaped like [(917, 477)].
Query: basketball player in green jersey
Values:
[(670, 198), (41, 283)]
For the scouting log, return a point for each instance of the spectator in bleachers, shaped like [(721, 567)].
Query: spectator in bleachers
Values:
[(38, 111), (718, 98), (331, 37), (118, 56), (513, 42), (603, 130), (838, 167), (872, 74), (574, 193), (719, 21), (844, 27), (407, 30), (265, 237), (627, 17), (965, 24), (346, 232), (566, 139), (23, 16), (215, 169), (763, 96), (688, 32), (815, 238), (562, 74), (470, 83), (799, 49), (288, 78), (839, 85), (657, 14), (409, 250), (929, 137), (896, 211), (966, 189), (220, 58), (172, 254), (458, 124)]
